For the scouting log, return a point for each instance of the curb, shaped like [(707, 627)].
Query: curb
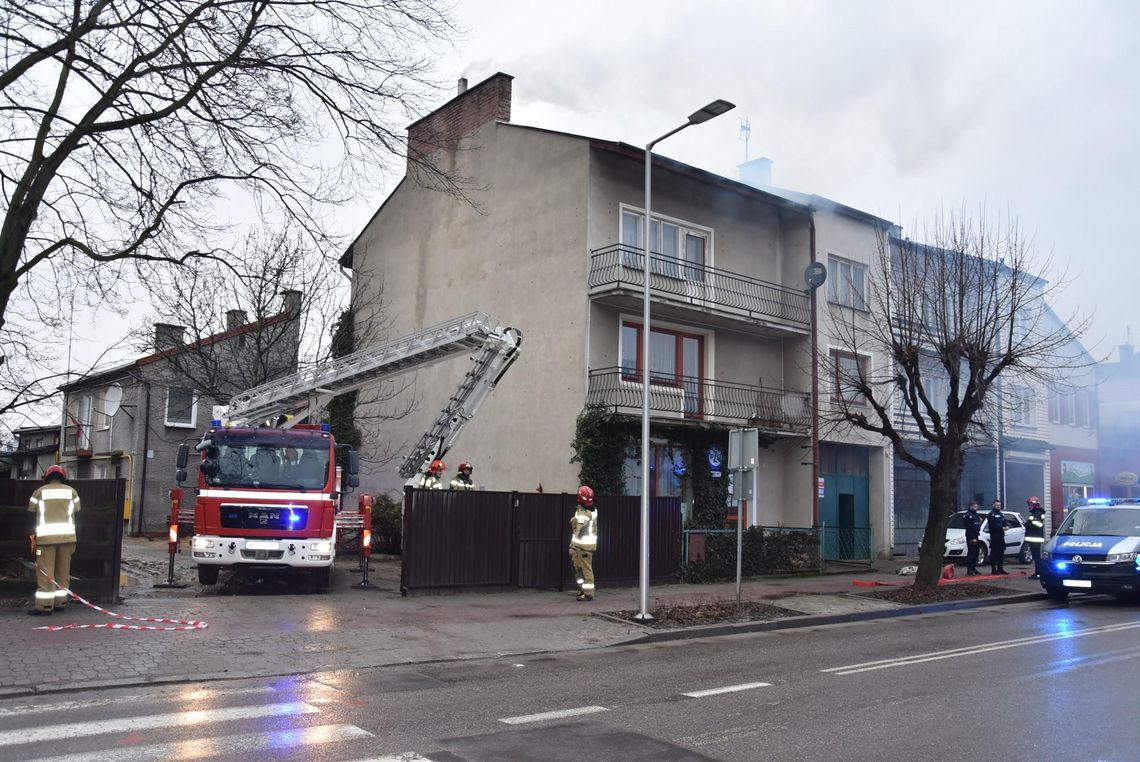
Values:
[(818, 620)]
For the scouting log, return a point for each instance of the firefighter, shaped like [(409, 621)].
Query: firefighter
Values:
[(55, 505), (433, 479), (1035, 533), (583, 542), (462, 479), (995, 525), (973, 525)]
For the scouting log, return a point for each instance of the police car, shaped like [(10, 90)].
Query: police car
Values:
[(1095, 550)]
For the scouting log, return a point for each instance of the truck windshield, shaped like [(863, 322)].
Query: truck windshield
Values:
[(1113, 522), (266, 465)]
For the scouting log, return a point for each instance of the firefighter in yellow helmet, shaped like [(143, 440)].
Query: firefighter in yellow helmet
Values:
[(433, 479), (583, 542), (54, 505), (462, 480)]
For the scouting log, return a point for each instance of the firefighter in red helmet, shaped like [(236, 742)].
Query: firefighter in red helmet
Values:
[(462, 480), (1035, 533), (583, 542), (433, 479), (55, 505)]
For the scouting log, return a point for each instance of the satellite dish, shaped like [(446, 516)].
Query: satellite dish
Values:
[(815, 274), (111, 400)]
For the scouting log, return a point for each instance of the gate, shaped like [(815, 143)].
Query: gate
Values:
[(513, 539)]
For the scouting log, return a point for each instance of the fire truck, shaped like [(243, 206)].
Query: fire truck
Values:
[(269, 487)]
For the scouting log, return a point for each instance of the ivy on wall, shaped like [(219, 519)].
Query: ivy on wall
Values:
[(603, 438)]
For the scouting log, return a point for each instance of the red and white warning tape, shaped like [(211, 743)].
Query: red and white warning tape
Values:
[(178, 624)]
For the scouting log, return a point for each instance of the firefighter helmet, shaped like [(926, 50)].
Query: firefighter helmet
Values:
[(436, 467), (1034, 502), (465, 468), (56, 470), (585, 496)]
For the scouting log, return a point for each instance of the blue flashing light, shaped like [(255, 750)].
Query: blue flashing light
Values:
[(216, 423), (293, 518), (1061, 565), (326, 427), (1099, 501)]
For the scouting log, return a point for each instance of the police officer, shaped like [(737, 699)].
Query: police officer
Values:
[(433, 479), (1035, 534), (55, 505), (583, 542), (995, 525), (973, 524), (462, 480)]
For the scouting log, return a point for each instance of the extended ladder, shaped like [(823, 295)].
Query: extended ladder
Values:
[(307, 392)]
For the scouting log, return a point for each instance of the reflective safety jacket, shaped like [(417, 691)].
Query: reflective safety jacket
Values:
[(462, 481), (55, 505), (972, 521), (1035, 527), (584, 529), (430, 481)]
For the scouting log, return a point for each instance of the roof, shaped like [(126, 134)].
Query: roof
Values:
[(100, 377)]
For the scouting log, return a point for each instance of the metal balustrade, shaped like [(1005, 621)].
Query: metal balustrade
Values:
[(619, 266), (688, 397)]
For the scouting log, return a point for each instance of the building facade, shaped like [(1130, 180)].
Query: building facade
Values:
[(1119, 418), (36, 448)]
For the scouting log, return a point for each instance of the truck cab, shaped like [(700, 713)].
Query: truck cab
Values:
[(267, 498)]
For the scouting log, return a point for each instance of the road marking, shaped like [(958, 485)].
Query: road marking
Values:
[(981, 648), (64, 706), (231, 746), (552, 715), (725, 689), (148, 722)]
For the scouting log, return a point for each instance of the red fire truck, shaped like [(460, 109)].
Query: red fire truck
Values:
[(269, 488)]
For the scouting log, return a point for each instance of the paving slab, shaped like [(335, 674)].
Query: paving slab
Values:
[(832, 604)]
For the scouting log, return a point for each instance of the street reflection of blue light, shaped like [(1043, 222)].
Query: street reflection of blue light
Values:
[(1061, 566)]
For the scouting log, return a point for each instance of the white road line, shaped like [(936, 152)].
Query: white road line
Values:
[(725, 689), (147, 722), (222, 746), (407, 756), (552, 715), (64, 706), (981, 648)]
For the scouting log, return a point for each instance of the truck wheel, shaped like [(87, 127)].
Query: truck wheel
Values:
[(322, 578), (208, 575), (1057, 593)]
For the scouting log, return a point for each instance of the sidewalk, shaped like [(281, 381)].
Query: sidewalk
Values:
[(260, 630)]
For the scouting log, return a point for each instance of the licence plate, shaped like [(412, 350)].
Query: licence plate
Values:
[(260, 545), (1076, 583)]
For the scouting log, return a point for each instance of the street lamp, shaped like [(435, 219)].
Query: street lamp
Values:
[(714, 109)]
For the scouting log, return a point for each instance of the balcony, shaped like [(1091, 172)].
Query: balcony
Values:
[(617, 275), (77, 439), (695, 399)]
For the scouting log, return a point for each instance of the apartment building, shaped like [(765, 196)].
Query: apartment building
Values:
[(36, 449), (1118, 405)]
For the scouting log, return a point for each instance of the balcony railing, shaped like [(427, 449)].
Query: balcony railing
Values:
[(77, 438), (677, 280), (686, 397)]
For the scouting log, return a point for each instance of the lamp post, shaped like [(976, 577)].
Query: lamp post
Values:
[(714, 109)]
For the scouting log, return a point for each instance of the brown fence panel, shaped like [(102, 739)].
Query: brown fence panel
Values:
[(99, 531), (617, 560), (456, 539), (542, 537)]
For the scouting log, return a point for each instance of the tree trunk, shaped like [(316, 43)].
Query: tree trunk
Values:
[(943, 497)]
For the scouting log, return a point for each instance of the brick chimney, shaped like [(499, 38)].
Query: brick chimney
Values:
[(488, 101), (235, 319), (168, 336)]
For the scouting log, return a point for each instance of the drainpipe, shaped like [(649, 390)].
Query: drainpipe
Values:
[(142, 476), (814, 389)]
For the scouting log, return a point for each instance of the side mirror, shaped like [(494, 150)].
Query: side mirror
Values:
[(353, 481), (183, 456), (180, 475), (353, 462)]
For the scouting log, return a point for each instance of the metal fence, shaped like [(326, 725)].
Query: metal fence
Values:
[(511, 539), (99, 532), (846, 543)]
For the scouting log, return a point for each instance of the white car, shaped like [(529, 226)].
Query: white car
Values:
[(1015, 544)]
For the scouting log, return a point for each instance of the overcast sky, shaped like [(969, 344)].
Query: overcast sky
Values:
[(896, 108)]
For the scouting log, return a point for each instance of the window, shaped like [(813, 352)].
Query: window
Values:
[(846, 283), (666, 467), (1071, 408), (849, 368), (679, 250), (102, 420), (181, 407), (1023, 407), (1082, 403), (676, 359)]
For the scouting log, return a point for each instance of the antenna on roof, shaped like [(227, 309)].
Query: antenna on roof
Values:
[(745, 133)]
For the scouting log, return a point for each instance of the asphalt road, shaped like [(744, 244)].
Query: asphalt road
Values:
[(1027, 681)]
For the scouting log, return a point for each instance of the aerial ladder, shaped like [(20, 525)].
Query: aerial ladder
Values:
[(291, 400)]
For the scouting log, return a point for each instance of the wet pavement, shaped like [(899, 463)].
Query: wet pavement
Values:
[(267, 627)]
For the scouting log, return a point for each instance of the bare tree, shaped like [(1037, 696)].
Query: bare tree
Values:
[(127, 127), (950, 320)]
